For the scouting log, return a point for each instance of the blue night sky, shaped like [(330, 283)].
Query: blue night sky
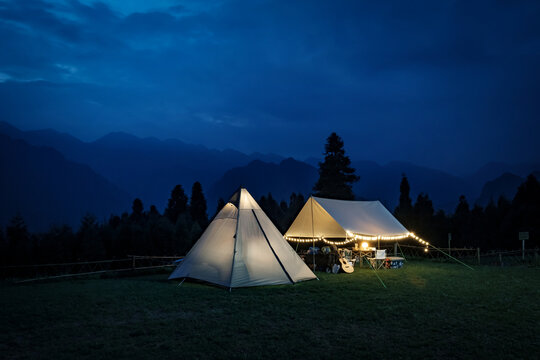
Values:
[(446, 84)]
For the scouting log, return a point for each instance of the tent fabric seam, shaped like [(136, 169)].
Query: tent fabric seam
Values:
[(235, 240), (271, 248)]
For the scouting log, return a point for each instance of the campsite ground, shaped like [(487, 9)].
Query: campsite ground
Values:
[(429, 310)]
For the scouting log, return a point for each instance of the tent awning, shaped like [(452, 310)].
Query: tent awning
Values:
[(330, 218)]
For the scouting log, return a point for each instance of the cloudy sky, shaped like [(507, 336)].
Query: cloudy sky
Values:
[(446, 84)]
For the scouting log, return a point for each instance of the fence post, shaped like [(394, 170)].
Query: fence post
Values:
[(500, 259), (449, 240), (478, 254), (133, 262)]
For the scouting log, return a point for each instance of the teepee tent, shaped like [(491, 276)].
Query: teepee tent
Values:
[(242, 247), (352, 220)]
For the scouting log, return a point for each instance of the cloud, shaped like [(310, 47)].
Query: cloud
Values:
[(420, 68)]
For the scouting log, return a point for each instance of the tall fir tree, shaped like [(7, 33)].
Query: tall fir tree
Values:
[(137, 208), (423, 211), (197, 205), (404, 210), (177, 203), (220, 205), (461, 223), (525, 211), (336, 176), (18, 240)]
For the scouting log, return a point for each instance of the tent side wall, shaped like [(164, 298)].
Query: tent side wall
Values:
[(210, 259), (314, 221), (254, 263), (290, 261)]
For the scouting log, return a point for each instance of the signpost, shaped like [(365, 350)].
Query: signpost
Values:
[(523, 235)]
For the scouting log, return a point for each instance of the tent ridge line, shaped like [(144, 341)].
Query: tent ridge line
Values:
[(235, 240), (271, 248)]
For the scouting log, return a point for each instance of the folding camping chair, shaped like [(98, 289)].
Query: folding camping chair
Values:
[(377, 261)]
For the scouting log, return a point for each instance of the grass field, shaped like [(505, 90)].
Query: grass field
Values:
[(428, 311)]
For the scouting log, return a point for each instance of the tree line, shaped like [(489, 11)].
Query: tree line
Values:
[(173, 232), (494, 227), (139, 232)]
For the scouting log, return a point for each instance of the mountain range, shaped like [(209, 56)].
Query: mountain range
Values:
[(120, 167), (39, 184)]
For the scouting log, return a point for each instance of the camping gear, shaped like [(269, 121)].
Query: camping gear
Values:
[(393, 262), (242, 247)]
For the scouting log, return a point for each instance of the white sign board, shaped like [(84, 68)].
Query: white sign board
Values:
[(524, 235)]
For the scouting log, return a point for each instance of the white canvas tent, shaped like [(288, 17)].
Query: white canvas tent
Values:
[(328, 218), (242, 247)]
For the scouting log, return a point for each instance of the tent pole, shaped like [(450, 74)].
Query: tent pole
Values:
[(313, 235), (181, 282), (401, 251), (378, 277)]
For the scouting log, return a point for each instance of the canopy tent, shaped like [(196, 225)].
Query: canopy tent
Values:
[(242, 247), (352, 220)]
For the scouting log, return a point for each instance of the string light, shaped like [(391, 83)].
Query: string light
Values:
[(338, 242), (354, 237), (302, 240)]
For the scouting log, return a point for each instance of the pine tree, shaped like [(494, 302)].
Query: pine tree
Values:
[(525, 211), (404, 210), (336, 176), (423, 216), (89, 245), (220, 205), (18, 240), (271, 209), (137, 208), (153, 211), (197, 206), (177, 204), (461, 223), (3, 248)]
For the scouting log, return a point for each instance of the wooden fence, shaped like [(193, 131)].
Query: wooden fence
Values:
[(28, 273), (472, 256)]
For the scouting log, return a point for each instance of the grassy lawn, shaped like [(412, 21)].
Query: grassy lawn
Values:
[(429, 310)]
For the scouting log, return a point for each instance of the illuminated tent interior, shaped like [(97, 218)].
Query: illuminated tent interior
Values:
[(325, 219), (241, 247)]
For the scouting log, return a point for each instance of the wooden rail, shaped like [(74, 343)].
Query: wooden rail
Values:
[(27, 273)]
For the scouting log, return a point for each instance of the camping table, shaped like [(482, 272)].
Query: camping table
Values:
[(364, 254)]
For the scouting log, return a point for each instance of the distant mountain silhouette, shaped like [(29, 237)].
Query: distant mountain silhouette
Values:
[(493, 170), (382, 183), (505, 185), (262, 177), (376, 181), (147, 168), (45, 188)]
